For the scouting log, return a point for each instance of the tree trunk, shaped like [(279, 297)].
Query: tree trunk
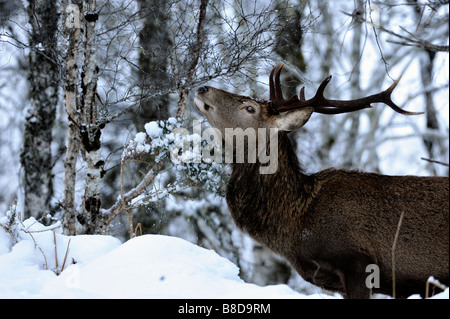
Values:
[(432, 144), (156, 45), (84, 128), (36, 157), (90, 127), (153, 59), (72, 25), (355, 89)]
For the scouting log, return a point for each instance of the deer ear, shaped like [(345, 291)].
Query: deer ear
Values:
[(292, 120)]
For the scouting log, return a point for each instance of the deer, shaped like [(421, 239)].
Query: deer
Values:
[(333, 224)]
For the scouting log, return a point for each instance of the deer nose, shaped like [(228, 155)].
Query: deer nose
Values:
[(202, 89)]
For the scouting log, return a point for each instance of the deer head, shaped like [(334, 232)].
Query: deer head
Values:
[(227, 110)]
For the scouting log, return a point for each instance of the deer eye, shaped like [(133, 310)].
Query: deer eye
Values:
[(250, 109)]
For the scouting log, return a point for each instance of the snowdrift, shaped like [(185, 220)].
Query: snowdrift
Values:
[(149, 266)]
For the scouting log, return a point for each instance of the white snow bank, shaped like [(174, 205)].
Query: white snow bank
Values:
[(149, 266), (27, 266), (154, 266)]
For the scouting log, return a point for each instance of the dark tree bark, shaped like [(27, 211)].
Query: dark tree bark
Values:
[(36, 157), (153, 59), (432, 144), (288, 45)]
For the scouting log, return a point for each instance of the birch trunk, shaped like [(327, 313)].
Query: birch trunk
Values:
[(72, 25), (90, 129)]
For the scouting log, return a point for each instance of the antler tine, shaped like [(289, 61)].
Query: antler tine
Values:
[(278, 91), (271, 86), (393, 106), (302, 94)]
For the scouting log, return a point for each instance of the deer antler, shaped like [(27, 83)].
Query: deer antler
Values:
[(323, 105)]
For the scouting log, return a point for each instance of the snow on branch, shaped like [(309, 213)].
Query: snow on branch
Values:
[(170, 146)]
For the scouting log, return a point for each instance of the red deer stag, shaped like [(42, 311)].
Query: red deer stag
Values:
[(333, 224)]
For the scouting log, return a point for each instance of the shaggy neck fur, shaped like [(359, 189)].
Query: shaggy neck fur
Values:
[(270, 206)]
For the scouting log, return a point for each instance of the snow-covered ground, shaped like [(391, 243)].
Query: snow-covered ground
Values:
[(94, 266)]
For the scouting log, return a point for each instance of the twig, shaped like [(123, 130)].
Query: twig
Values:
[(415, 41), (56, 253), (8, 230), (123, 206), (434, 282), (140, 229), (42, 230), (35, 243), (393, 252), (65, 256), (434, 161)]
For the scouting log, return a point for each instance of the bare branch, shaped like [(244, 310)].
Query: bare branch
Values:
[(412, 40), (111, 213), (434, 161), (196, 56)]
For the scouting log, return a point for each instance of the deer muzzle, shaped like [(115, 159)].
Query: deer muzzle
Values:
[(199, 103)]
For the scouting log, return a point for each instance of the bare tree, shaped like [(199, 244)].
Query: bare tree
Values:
[(84, 123), (72, 107), (427, 56), (155, 45)]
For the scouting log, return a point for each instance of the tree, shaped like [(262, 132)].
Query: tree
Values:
[(155, 45), (72, 106), (43, 77), (432, 143), (86, 124)]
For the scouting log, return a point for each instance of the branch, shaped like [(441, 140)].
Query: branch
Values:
[(411, 41), (196, 57), (434, 161), (394, 246), (424, 45), (114, 210)]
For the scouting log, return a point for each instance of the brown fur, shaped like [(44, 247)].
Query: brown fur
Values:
[(332, 224)]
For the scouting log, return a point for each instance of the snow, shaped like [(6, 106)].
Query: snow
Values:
[(99, 266), (153, 130), (149, 266), (155, 266)]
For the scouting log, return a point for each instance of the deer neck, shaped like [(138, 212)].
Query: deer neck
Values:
[(268, 206)]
